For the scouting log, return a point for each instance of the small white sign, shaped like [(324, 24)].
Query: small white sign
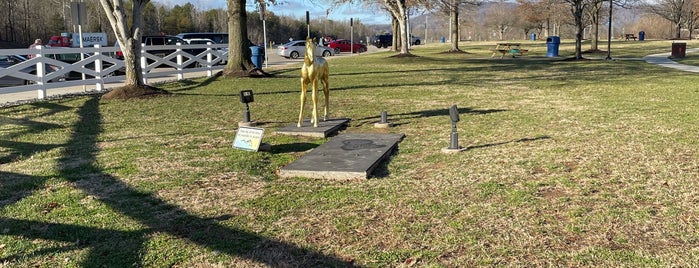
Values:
[(90, 39), (248, 138)]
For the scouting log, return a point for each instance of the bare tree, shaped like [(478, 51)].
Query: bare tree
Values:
[(502, 17), (239, 61), (577, 8), (594, 15), (533, 16), (451, 8), (397, 9), (673, 10), (129, 38)]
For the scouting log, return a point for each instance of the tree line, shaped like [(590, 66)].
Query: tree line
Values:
[(25, 20)]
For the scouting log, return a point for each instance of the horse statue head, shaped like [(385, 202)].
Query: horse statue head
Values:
[(310, 51)]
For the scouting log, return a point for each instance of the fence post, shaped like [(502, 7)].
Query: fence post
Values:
[(40, 73), (180, 75), (99, 86), (209, 72), (144, 63)]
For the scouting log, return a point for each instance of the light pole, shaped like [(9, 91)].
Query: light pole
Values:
[(609, 32), (264, 32), (351, 36)]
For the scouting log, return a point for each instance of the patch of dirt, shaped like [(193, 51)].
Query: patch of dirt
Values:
[(407, 55), (135, 92), (256, 72), (574, 59), (459, 51), (594, 51)]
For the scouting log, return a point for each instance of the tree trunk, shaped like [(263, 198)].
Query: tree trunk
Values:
[(395, 43), (397, 10), (129, 38), (455, 26), (578, 8), (239, 61), (132, 61), (403, 36), (594, 32)]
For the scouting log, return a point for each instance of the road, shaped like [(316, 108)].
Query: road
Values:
[(273, 61)]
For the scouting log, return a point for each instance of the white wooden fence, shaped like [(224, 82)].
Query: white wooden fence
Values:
[(100, 65)]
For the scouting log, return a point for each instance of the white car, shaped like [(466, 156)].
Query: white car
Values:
[(297, 49), (202, 41)]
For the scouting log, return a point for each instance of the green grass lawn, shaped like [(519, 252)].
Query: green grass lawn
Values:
[(567, 163)]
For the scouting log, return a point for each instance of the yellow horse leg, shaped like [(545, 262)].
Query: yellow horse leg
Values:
[(326, 92), (303, 101), (314, 96)]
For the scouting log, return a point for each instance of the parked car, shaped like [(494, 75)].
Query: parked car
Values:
[(218, 38), (7, 61), (383, 40), (201, 41), (343, 45), (296, 49), (155, 40), (386, 40), (72, 58)]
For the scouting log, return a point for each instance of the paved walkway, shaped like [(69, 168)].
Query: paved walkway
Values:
[(663, 59)]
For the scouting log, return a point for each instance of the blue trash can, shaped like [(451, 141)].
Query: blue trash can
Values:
[(258, 56), (552, 43), (533, 37), (641, 35), (443, 39)]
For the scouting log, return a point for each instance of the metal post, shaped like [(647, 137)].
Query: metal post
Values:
[(609, 32), (384, 117), (351, 37), (308, 25), (246, 113), (454, 137)]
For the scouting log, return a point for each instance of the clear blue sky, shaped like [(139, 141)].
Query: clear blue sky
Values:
[(297, 9)]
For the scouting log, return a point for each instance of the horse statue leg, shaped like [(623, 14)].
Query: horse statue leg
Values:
[(314, 96), (304, 85), (326, 92)]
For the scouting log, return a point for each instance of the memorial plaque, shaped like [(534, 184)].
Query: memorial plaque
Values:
[(248, 138), (346, 156)]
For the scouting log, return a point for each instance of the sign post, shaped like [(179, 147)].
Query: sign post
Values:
[(78, 12), (308, 25)]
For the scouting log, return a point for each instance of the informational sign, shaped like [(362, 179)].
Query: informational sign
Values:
[(248, 138), (78, 13), (90, 39)]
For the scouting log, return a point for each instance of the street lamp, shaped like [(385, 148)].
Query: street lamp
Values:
[(609, 32)]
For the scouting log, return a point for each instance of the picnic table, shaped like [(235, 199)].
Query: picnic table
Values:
[(630, 36), (512, 49)]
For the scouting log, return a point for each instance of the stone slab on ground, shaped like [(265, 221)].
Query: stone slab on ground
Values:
[(325, 128), (346, 156)]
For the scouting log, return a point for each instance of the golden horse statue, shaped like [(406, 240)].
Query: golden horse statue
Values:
[(314, 68)]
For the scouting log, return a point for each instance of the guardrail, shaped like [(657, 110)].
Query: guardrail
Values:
[(43, 72)]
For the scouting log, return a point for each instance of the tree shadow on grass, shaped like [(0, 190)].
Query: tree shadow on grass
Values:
[(125, 248), (424, 113), (473, 147)]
